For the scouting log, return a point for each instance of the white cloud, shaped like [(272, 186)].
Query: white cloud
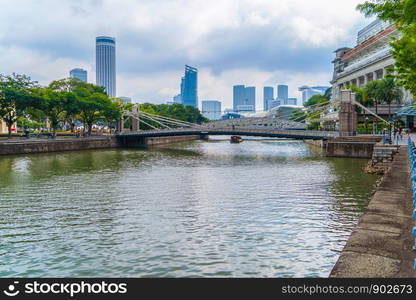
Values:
[(252, 42)]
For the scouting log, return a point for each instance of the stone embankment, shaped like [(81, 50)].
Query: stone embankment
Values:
[(28, 146), (381, 159), (381, 244), (352, 147)]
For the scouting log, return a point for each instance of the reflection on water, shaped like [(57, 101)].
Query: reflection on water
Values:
[(260, 208)]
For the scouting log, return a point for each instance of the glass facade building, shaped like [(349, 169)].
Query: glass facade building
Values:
[(244, 98), (283, 93), (106, 64), (80, 74), (211, 109), (189, 87), (268, 94)]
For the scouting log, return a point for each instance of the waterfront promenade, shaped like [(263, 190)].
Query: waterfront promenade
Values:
[(381, 245)]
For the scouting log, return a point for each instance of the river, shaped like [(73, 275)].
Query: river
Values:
[(262, 208)]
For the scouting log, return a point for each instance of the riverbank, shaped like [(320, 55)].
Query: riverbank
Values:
[(381, 244), (30, 146)]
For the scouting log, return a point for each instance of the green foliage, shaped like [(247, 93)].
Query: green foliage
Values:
[(403, 14), (15, 97), (175, 111), (63, 100), (316, 99)]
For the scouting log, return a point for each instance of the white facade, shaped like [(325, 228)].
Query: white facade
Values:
[(106, 64), (370, 60)]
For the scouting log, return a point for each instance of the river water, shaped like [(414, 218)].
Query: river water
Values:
[(262, 208)]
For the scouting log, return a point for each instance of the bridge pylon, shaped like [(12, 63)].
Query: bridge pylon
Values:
[(135, 121), (347, 114)]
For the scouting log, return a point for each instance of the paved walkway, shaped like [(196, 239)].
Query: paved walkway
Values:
[(381, 244)]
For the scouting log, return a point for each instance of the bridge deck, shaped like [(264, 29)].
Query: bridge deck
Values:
[(294, 134)]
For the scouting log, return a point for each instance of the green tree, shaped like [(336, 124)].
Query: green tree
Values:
[(372, 94), (389, 92), (316, 100), (15, 97)]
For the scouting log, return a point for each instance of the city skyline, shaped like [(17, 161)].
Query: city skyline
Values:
[(151, 56)]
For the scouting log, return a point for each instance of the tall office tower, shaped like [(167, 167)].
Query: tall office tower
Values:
[(239, 94), (283, 93), (251, 97), (189, 87), (211, 109), (105, 56), (268, 94), (80, 74)]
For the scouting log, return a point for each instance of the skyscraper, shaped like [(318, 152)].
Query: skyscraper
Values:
[(251, 97), (268, 94), (244, 98), (283, 93), (80, 74), (239, 94), (211, 109), (106, 64), (189, 87)]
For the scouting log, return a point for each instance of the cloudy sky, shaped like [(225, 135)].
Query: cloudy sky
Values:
[(252, 42)]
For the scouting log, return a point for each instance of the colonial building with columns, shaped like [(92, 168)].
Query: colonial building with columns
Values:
[(370, 59)]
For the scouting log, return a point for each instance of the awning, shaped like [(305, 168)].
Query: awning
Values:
[(406, 111)]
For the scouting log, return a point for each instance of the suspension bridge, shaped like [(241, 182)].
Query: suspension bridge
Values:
[(270, 125)]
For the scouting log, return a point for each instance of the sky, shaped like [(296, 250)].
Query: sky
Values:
[(253, 42)]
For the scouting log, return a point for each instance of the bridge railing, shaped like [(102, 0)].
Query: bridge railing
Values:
[(229, 131)]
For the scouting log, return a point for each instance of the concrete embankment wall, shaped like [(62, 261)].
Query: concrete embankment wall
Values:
[(57, 145), (381, 244), (74, 144), (316, 143), (147, 142), (353, 147)]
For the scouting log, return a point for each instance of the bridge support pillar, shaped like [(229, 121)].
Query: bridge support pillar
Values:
[(135, 121), (347, 114), (120, 125)]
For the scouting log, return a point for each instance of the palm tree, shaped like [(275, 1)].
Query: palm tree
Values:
[(372, 93), (389, 92)]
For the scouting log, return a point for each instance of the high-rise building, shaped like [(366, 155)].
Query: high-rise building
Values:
[(239, 94), (268, 94), (308, 92), (244, 98), (80, 74), (251, 97), (106, 64), (292, 101), (283, 93), (211, 109), (189, 87)]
